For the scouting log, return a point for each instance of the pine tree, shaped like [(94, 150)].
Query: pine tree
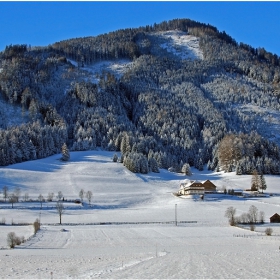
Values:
[(153, 165), (115, 158), (186, 169), (263, 185), (255, 181), (65, 153)]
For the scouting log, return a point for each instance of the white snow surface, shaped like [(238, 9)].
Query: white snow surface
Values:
[(91, 244), (181, 44), (117, 67)]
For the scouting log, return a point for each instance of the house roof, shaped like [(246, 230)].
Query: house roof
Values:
[(190, 184), (276, 215), (203, 182), (206, 181)]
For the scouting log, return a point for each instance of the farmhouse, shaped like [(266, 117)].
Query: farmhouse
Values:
[(275, 218), (209, 187), (191, 187), (196, 188)]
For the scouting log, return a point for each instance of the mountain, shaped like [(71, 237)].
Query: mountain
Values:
[(174, 93)]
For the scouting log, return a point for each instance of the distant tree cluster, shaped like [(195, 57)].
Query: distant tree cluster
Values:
[(13, 240), (252, 217), (30, 141), (87, 194), (258, 182), (245, 153)]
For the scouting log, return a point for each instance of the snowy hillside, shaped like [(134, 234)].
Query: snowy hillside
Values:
[(181, 44), (146, 243), (176, 42), (116, 67)]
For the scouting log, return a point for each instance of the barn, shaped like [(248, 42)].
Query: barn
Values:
[(275, 218)]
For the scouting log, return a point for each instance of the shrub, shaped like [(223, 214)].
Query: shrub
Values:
[(18, 240), (36, 226), (268, 231), (115, 158), (11, 239)]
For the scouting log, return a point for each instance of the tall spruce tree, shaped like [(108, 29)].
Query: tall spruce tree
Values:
[(255, 181), (263, 185), (65, 153)]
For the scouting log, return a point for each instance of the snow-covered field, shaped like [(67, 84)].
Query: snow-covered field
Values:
[(129, 229)]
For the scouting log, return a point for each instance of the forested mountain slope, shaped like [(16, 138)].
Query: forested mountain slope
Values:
[(170, 95)]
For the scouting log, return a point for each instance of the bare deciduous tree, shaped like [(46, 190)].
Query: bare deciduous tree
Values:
[(17, 193), (41, 199), (60, 209), (230, 214), (244, 218), (89, 196), (261, 217), (12, 199), (50, 196), (59, 195), (253, 212), (26, 197), (81, 195), (5, 192)]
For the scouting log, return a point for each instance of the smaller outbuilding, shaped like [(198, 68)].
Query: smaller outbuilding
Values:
[(237, 192), (275, 218)]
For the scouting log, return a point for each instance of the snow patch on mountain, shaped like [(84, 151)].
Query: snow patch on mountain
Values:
[(181, 44), (116, 67), (175, 42)]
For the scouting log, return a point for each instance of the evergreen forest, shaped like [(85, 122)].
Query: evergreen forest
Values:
[(218, 111)]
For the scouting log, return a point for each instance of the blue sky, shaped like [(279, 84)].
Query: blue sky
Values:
[(43, 23)]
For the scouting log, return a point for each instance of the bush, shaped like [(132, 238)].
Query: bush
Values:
[(252, 227), (11, 239), (18, 240), (115, 158), (14, 240), (36, 226), (268, 231)]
